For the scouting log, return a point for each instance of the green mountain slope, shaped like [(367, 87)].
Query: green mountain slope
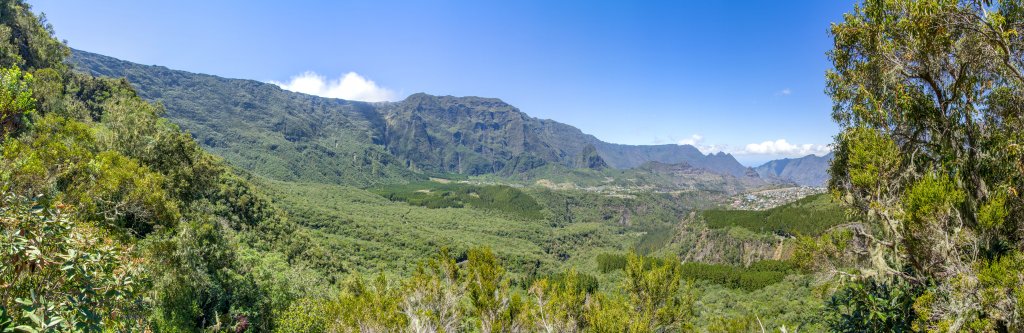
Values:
[(292, 136), (264, 129)]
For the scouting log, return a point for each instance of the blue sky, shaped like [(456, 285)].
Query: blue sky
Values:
[(723, 75)]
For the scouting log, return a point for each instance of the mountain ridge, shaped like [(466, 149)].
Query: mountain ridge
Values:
[(810, 170), (386, 140)]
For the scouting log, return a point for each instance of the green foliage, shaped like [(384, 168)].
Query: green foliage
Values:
[(498, 198), (354, 230), (196, 282), (826, 252), (756, 276), (476, 295), (440, 297), (433, 295), (610, 314), (812, 215), (558, 302), (872, 305), (930, 198), (60, 157), (47, 159), (869, 155), (26, 40), (760, 274), (16, 102), (641, 211), (794, 304), (654, 239), (928, 95), (1000, 280), (136, 226), (488, 293), (581, 281), (125, 193), (66, 275), (304, 315), (607, 262), (371, 306), (654, 288)]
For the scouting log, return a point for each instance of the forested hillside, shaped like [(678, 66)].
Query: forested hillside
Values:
[(293, 136), (113, 218)]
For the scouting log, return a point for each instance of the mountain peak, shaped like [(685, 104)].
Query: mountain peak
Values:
[(810, 170)]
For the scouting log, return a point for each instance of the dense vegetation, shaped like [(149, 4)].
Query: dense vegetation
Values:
[(758, 275), (497, 198), (114, 219), (364, 232), (808, 216), (442, 294), (928, 95), (535, 230)]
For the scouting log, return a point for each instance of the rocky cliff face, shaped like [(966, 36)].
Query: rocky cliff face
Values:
[(469, 135), (590, 158), (695, 242)]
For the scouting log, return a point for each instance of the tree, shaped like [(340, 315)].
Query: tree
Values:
[(654, 287), (497, 309), (433, 294), (26, 40), (560, 303), (928, 94), (16, 102)]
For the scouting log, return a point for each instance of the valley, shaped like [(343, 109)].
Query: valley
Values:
[(309, 195), (141, 198)]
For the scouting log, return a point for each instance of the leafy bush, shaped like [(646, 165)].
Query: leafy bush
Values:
[(16, 102), (62, 274), (872, 305)]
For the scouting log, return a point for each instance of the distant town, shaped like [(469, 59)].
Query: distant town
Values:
[(767, 199)]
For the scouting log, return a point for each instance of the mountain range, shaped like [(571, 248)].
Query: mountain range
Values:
[(810, 170), (331, 140)]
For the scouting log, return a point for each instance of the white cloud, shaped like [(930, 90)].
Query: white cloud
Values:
[(693, 140), (784, 92), (783, 147), (697, 141), (351, 86)]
